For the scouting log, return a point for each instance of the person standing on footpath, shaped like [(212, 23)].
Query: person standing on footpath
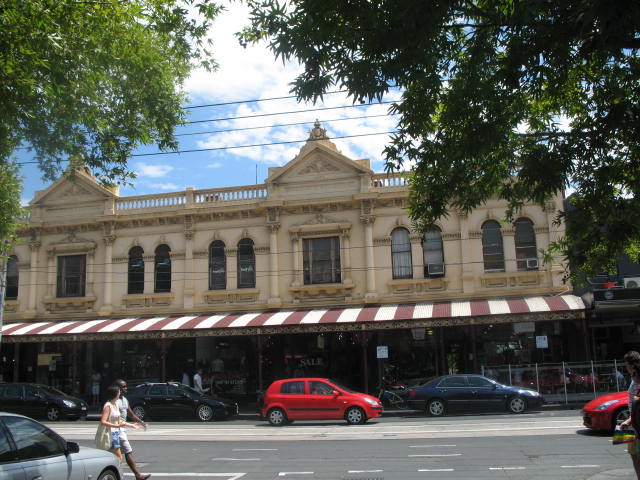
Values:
[(632, 361), (197, 382), (125, 411)]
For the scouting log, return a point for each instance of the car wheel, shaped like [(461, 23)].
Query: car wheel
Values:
[(619, 416), (108, 475), (140, 412), (355, 416), (204, 413), (53, 413), (277, 417), (436, 407), (517, 404)]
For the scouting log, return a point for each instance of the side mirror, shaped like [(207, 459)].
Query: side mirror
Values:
[(335, 393), (495, 386), (72, 447)]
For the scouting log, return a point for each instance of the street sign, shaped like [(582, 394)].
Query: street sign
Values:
[(382, 351), (542, 341)]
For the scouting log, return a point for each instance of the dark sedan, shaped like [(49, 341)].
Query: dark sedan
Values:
[(174, 400), (40, 401), (467, 393)]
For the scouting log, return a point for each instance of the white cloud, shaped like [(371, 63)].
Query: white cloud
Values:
[(153, 171), (215, 165), (165, 186)]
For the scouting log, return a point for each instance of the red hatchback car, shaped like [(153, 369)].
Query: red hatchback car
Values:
[(317, 399), (605, 412)]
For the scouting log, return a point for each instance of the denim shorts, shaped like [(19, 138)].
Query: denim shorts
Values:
[(115, 439)]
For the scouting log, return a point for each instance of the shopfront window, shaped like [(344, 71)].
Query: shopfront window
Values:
[(217, 266), (246, 264), (401, 261), (163, 269), (492, 250), (11, 292), (71, 276), (136, 271), (321, 260)]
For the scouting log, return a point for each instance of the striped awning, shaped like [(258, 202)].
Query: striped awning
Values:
[(284, 318)]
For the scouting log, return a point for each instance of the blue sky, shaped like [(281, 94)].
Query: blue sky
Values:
[(244, 74)]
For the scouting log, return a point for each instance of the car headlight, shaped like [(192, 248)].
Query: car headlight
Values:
[(371, 402), (68, 403), (606, 405)]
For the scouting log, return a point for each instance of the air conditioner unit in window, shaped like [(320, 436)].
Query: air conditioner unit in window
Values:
[(532, 263), (435, 269), (632, 282)]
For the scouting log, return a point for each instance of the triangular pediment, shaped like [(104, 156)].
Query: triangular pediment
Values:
[(82, 188), (317, 161)]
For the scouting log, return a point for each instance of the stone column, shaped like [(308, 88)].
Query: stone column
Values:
[(189, 265), (107, 304), (149, 271), (51, 273), (509, 249), (417, 255), (33, 276), (91, 259), (274, 274), (295, 260), (367, 221), (466, 254), (346, 257)]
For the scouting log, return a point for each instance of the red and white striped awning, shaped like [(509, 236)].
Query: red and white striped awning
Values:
[(372, 314)]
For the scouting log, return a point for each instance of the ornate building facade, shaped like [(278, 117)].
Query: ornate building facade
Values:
[(316, 271)]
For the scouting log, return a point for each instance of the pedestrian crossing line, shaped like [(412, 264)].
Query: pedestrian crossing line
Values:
[(365, 471), (436, 470), (507, 468), (432, 446), (284, 474), (436, 455), (579, 466), (226, 476)]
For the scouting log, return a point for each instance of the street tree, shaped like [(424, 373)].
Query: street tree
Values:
[(516, 99), (88, 81)]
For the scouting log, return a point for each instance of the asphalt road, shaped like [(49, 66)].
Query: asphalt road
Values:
[(549, 444)]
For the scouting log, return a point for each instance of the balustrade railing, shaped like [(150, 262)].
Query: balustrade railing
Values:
[(151, 201), (392, 179), (251, 192)]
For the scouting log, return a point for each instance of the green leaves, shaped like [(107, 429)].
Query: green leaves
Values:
[(518, 99)]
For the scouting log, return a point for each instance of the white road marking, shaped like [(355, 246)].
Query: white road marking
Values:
[(507, 468), (430, 446), (579, 466), (255, 449), (284, 474), (228, 476), (437, 455), (229, 459), (365, 471), (436, 470)]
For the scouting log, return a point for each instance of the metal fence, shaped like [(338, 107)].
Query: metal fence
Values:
[(565, 382)]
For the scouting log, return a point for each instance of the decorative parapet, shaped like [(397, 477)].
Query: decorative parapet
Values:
[(321, 292), (69, 304), (230, 194), (529, 278), (411, 286), (155, 201), (395, 180), (228, 297), (148, 300)]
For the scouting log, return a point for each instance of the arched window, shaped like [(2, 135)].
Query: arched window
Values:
[(433, 253), (492, 251), (525, 238), (401, 263), (246, 264), (11, 292), (217, 266), (136, 271), (163, 269)]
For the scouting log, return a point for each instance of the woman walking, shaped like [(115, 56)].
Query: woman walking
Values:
[(113, 421)]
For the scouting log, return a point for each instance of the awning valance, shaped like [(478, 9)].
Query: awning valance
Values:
[(366, 315)]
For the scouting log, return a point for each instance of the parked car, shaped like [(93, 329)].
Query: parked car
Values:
[(468, 393), (606, 411), (553, 381), (28, 449), (40, 401), (174, 400), (317, 399)]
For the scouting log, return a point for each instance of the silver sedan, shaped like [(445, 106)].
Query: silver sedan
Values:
[(29, 450)]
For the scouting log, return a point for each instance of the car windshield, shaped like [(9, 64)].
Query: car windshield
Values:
[(192, 391), (52, 391), (341, 387)]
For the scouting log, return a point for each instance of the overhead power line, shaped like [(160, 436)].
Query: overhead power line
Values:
[(238, 102)]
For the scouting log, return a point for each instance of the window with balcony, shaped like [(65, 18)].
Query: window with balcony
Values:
[(321, 260), (401, 261), (135, 281), (492, 249), (71, 276), (11, 291), (162, 280), (525, 240), (217, 266), (246, 264)]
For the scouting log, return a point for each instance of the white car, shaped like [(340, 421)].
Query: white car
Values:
[(29, 450)]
